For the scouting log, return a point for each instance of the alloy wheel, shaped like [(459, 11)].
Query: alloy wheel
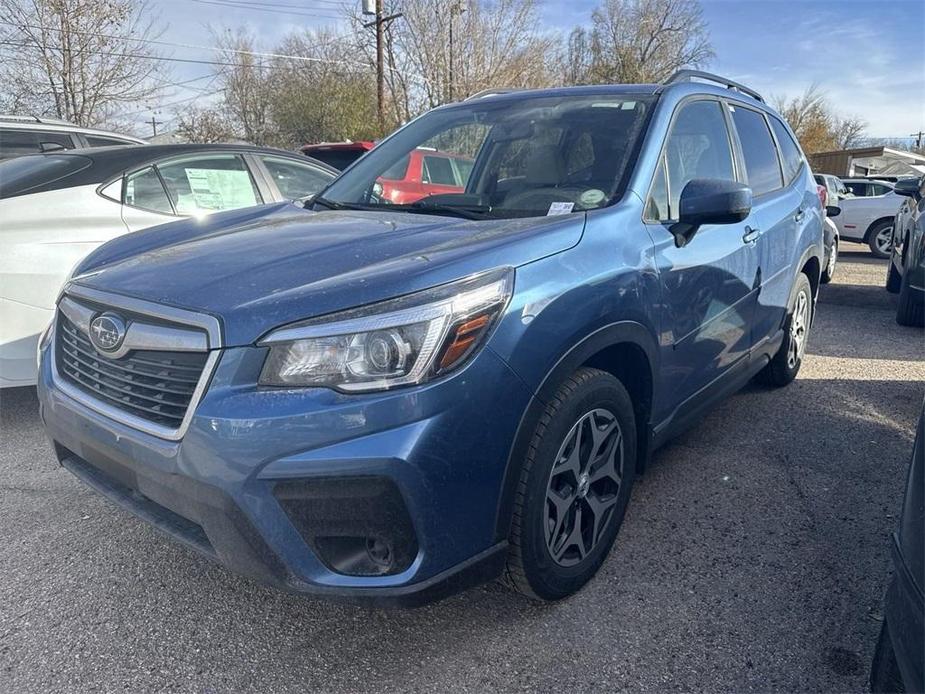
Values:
[(583, 487), (884, 240), (799, 329)]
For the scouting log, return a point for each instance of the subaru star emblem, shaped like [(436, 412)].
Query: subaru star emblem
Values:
[(107, 332)]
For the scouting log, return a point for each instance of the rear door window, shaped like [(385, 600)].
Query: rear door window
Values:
[(439, 170), (209, 183), (761, 162), (791, 157), (295, 180)]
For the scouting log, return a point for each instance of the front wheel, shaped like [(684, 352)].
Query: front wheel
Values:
[(785, 364), (880, 239), (574, 487)]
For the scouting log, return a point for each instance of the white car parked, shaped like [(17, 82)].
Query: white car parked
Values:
[(869, 220), (23, 135), (57, 208)]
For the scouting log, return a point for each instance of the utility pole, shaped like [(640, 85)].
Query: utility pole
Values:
[(918, 138), (455, 9), (154, 124), (369, 8)]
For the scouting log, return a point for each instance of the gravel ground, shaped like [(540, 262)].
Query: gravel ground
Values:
[(753, 557)]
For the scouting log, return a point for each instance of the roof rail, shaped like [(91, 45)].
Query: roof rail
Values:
[(488, 92), (34, 119), (691, 75)]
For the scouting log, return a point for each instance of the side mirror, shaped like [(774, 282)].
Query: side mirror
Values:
[(832, 211), (51, 147), (907, 186), (710, 201)]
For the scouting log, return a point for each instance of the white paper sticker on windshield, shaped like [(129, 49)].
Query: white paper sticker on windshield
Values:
[(560, 208)]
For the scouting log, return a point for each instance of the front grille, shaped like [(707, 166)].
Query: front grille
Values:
[(153, 385)]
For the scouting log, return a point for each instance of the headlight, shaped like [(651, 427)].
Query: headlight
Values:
[(393, 343)]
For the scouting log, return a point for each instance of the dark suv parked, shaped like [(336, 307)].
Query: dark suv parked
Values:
[(396, 401)]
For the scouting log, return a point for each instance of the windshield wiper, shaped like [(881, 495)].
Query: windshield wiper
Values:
[(334, 205), (464, 211)]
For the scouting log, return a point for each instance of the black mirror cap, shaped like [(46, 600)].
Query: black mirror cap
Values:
[(832, 211), (714, 201), (907, 186)]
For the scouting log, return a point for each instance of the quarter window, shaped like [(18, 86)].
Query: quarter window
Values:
[(761, 163), (144, 189), (95, 141), (697, 147), (790, 153)]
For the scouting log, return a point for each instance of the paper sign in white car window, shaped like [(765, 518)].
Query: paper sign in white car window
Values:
[(560, 208), (216, 189)]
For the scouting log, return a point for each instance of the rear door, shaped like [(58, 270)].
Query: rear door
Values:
[(781, 208), (708, 286)]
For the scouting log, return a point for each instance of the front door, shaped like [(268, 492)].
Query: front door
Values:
[(708, 286)]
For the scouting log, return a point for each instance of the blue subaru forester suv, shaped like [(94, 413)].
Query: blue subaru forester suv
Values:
[(392, 401)]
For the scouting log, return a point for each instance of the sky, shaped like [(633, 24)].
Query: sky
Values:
[(867, 55)]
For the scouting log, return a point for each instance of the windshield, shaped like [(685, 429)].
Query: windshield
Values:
[(22, 174), (527, 157)]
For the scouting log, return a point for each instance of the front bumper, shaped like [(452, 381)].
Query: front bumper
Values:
[(443, 446)]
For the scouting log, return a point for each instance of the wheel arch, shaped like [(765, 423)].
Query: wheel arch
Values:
[(626, 349), (870, 227)]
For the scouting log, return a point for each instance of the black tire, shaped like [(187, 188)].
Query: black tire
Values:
[(910, 309), (532, 568), (782, 369), (884, 671), (829, 271), (893, 279), (875, 231)]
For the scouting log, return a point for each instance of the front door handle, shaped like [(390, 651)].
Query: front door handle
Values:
[(751, 235), (798, 217)]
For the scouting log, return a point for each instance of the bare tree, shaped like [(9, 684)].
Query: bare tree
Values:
[(494, 44), (642, 41), (815, 123), (81, 60), (849, 132), (246, 85), (204, 125)]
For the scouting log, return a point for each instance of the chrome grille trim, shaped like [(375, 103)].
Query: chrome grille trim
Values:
[(207, 338)]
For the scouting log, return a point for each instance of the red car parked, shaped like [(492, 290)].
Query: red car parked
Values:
[(424, 172), (340, 155)]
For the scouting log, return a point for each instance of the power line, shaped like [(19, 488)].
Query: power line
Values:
[(266, 9), (171, 44), (236, 51)]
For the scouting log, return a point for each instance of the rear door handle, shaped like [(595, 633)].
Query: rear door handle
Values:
[(798, 217), (751, 235)]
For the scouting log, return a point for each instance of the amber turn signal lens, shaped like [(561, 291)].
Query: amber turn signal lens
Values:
[(464, 336)]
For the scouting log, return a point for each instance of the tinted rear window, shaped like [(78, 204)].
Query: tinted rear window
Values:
[(761, 163), (25, 174), (340, 159)]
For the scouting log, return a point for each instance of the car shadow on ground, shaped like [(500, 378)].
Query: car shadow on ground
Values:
[(754, 555)]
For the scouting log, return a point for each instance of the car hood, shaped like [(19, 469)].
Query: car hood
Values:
[(264, 267)]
